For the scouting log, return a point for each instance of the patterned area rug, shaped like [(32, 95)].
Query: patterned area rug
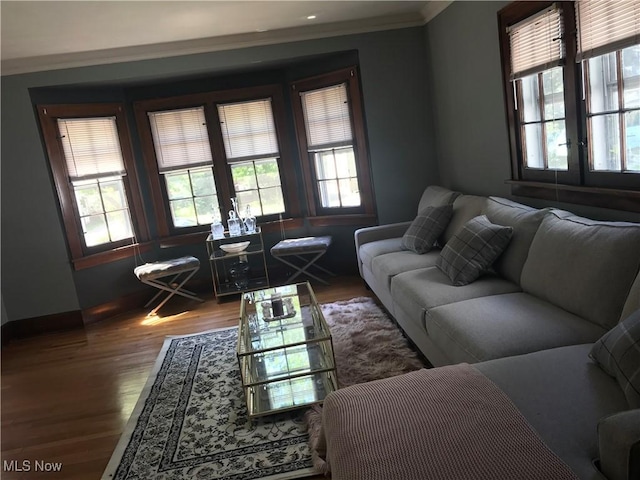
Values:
[(191, 420)]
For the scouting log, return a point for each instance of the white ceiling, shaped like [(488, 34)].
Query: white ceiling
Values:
[(43, 35)]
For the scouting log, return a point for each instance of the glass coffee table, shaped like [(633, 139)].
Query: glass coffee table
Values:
[(285, 351)]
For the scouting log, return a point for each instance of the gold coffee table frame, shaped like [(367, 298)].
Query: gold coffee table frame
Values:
[(286, 362)]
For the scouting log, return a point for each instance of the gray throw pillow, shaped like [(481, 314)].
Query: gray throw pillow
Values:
[(426, 228), (618, 353), (473, 249)]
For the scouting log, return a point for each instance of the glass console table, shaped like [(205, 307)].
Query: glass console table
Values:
[(286, 361)]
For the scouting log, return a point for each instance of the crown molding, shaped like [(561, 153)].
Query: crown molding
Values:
[(432, 9), (213, 44)]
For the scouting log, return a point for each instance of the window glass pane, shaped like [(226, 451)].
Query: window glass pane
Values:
[(88, 199), (113, 195), (631, 76), (530, 98), (329, 193), (244, 176), (202, 182), (556, 145), (553, 86), (205, 208), (183, 213), (349, 194), (178, 185), (119, 226), (325, 165), (272, 201), (603, 83), (632, 127), (250, 197), (605, 143), (95, 230), (346, 163), (268, 173), (533, 146)]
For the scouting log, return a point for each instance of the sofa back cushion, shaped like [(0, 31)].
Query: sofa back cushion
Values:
[(525, 222), (633, 299), (435, 196), (583, 266), (465, 207)]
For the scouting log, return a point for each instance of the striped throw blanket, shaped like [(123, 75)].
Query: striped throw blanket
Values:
[(445, 423)]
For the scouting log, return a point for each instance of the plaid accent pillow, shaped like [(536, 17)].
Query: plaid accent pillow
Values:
[(426, 228), (473, 249), (618, 354)]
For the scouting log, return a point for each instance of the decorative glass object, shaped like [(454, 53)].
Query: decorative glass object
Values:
[(239, 273), (234, 224), (249, 221), (217, 229)]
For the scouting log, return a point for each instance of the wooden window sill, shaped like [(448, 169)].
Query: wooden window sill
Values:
[(355, 220), (627, 200), (102, 258)]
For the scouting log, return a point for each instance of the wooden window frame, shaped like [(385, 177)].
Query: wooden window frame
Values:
[(83, 256), (170, 235), (319, 215), (577, 184)]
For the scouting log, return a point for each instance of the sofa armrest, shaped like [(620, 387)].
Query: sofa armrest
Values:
[(379, 232), (619, 445)]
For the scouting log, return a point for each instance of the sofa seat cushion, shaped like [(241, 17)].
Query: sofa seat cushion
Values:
[(563, 395), (387, 266), (425, 288), (583, 266), (498, 326), (370, 250)]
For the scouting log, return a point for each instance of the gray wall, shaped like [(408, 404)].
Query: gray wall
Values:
[(37, 278)]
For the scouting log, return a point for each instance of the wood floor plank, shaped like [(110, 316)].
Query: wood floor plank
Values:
[(67, 396)]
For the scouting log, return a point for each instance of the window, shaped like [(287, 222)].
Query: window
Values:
[(330, 129), (251, 147), (573, 99), (202, 150), (91, 160), (185, 162)]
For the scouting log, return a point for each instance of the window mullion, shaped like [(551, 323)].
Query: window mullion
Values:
[(621, 111), (543, 123)]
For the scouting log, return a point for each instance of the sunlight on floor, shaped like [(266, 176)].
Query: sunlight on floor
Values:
[(157, 320)]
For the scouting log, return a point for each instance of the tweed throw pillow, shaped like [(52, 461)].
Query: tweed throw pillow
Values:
[(473, 249), (618, 353), (426, 228)]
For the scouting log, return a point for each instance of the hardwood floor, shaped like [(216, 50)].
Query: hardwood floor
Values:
[(66, 397)]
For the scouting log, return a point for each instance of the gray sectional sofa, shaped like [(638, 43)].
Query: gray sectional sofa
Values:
[(530, 322)]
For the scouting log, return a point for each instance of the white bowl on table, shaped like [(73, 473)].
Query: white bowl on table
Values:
[(234, 247)]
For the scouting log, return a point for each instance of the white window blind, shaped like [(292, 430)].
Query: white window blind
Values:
[(91, 147), (248, 130), (326, 115), (536, 43), (606, 25), (180, 139)]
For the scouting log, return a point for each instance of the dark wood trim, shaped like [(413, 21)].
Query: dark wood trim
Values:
[(358, 220), (616, 199), (48, 116), (29, 327), (185, 239), (112, 255)]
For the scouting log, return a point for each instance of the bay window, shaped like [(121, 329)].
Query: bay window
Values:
[(92, 165), (571, 73)]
